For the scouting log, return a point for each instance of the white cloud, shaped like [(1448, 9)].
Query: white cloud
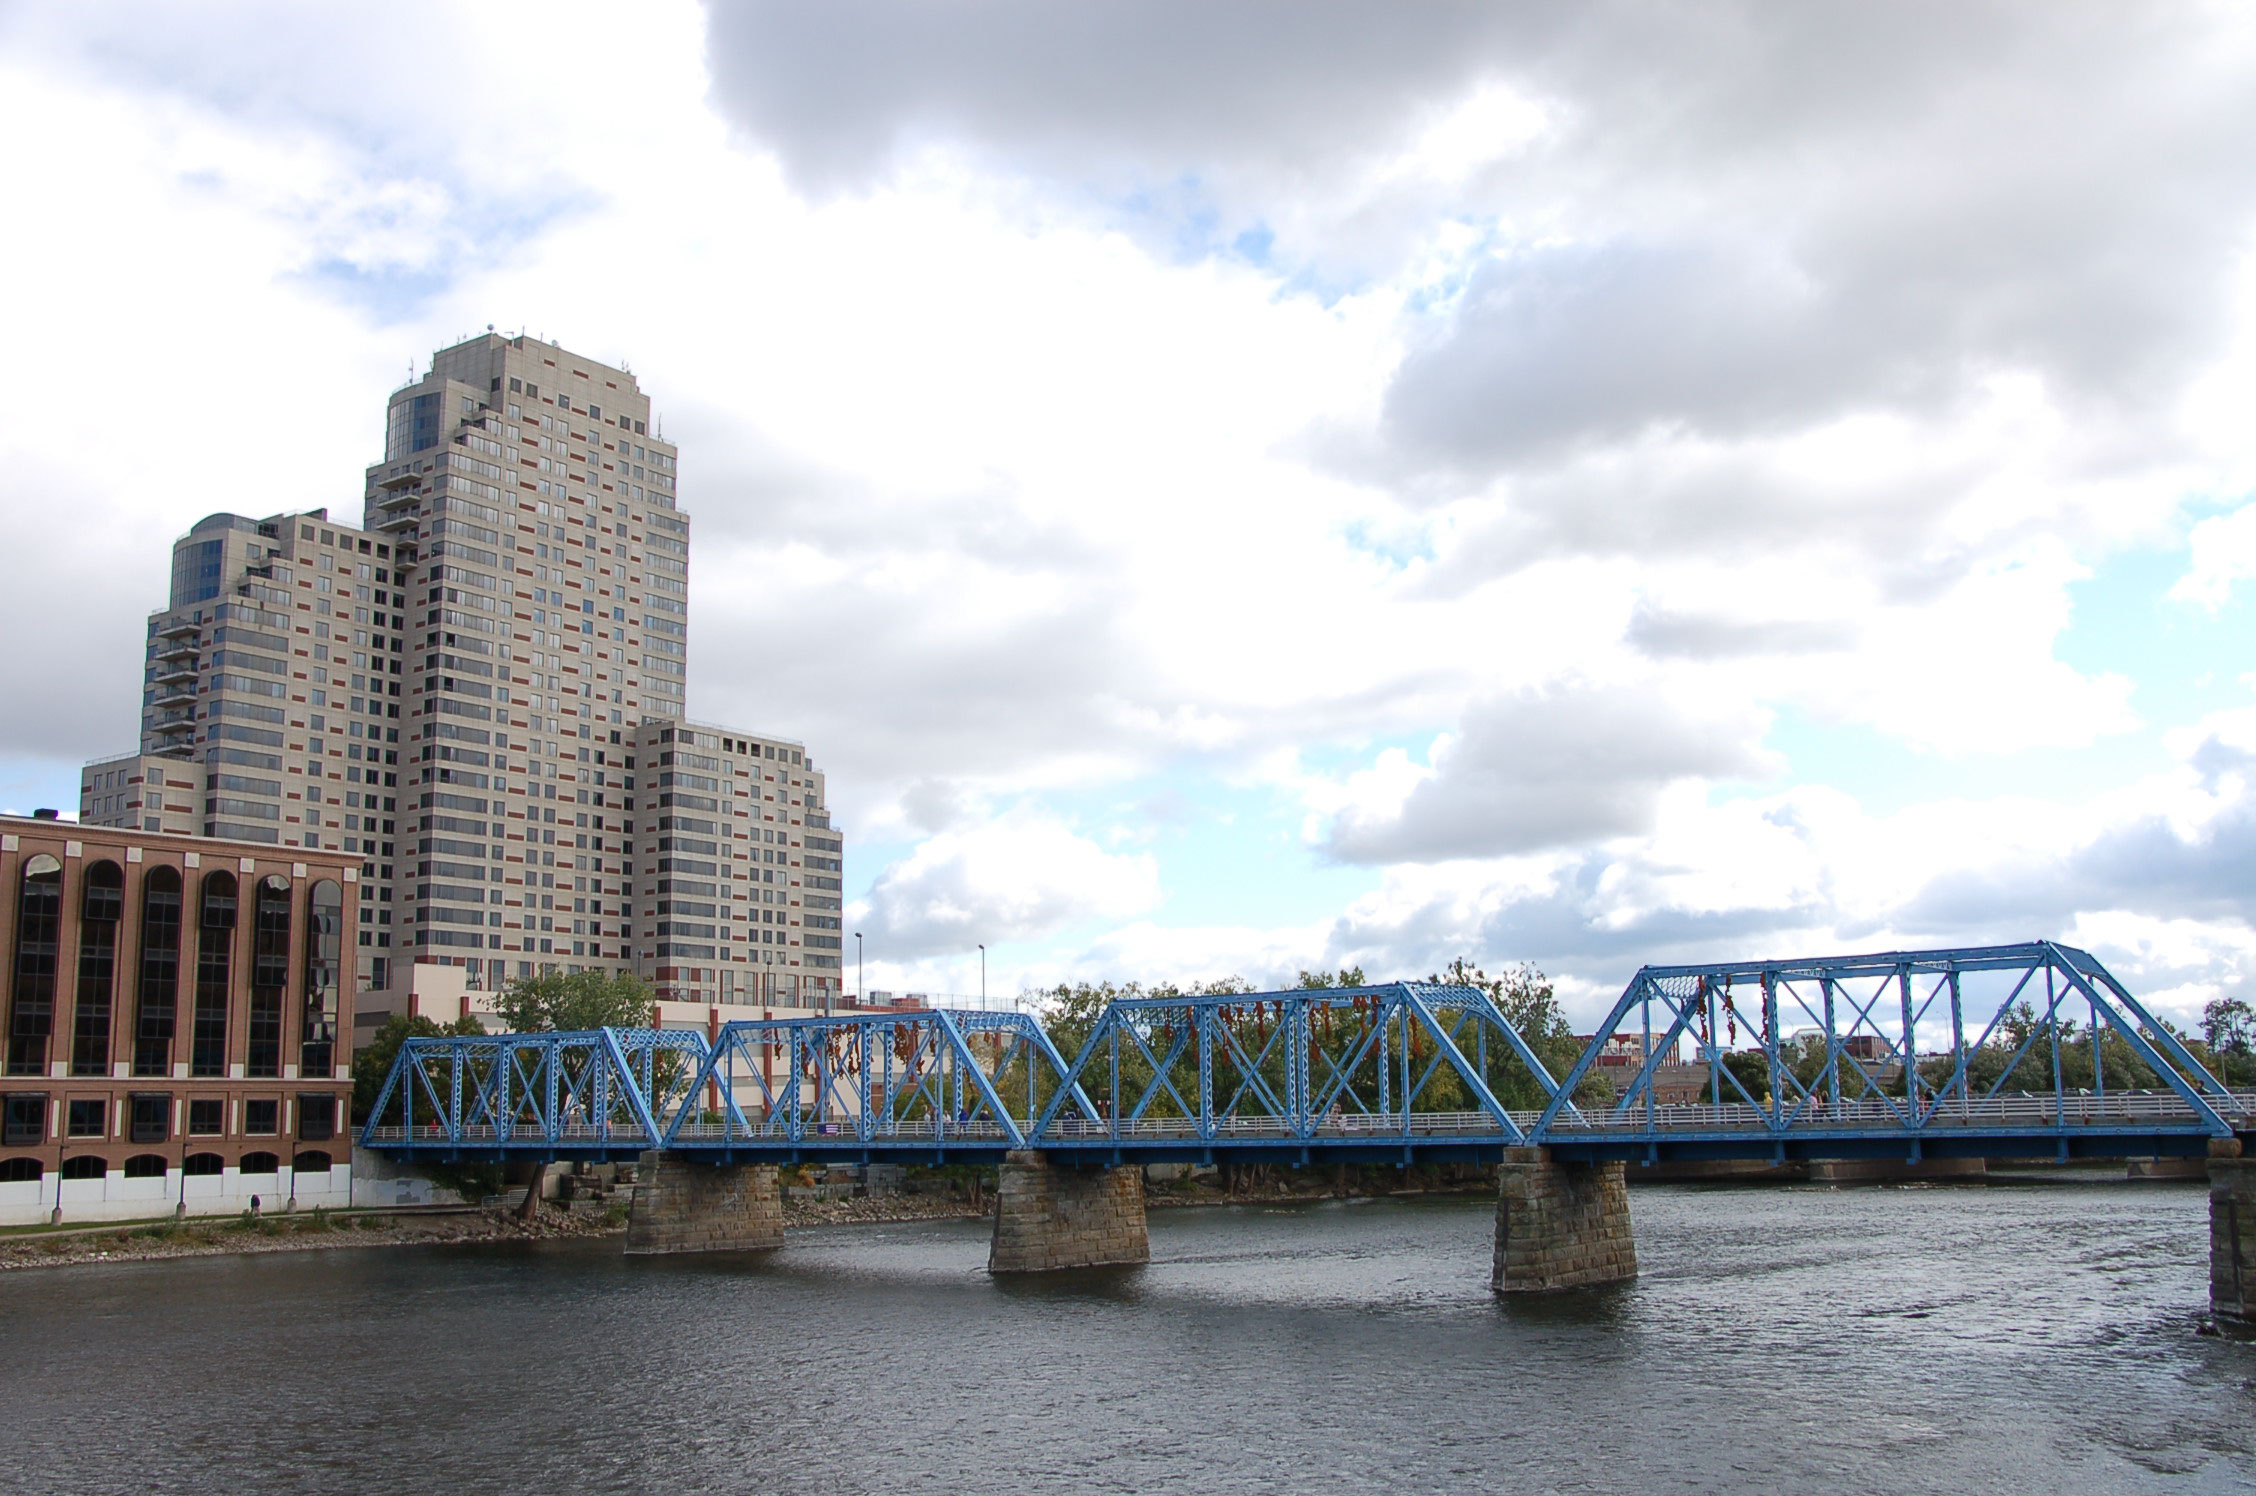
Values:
[(2224, 552), (1019, 876), (1088, 396)]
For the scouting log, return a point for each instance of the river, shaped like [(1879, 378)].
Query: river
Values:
[(1947, 1339)]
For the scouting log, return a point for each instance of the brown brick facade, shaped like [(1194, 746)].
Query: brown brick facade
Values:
[(129, 1055)]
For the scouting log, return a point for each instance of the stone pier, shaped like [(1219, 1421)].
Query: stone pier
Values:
[(2232, 1238), (1048, 1218), (681, 1205), (1560, 1225)]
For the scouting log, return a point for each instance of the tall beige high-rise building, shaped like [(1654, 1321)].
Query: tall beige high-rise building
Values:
[(480, 690)]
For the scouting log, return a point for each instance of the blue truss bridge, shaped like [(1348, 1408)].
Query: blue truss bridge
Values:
[(2030, 1050)]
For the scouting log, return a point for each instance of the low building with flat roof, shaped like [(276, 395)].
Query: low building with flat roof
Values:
[(176, 1011)]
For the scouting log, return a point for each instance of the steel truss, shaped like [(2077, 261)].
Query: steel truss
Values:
[(589, 1093), (1361, 1070), (924, 1082), (1875, 1090), (1851, 1056)]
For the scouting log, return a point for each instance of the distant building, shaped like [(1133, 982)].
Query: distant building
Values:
[(175, 1023), (471, 693)]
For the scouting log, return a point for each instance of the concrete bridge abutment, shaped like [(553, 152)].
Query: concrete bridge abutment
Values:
[(681, 1205), (1560, 1225), (1049, 1218)]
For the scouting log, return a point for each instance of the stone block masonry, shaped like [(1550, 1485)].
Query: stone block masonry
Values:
[(685, 1206), (1560, 1225), (1048, 1219), (2232, 1239)]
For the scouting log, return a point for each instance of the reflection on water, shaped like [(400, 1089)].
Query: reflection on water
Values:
[(1944, 1339)]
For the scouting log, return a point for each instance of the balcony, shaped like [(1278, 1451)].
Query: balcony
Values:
[(179, 628)]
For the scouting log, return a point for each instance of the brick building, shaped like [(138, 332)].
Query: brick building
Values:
[(176, 1011)]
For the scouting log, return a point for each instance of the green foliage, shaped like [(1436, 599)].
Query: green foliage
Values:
[(571, 1001), (374, 1060), (2229, 1026), (1338, 1041), (1526, 999)]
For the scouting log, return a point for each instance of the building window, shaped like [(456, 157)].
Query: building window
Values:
[(23, 1120), (215, 964), (323, 980), (203, 1165), (39, 920), (151, 1119), (145, 1166), (258, 1163), (262, 1118), (207, 1117), (20, 1171), (86, 1166), (101, 907), (158, 984), (89, 1119), (317, 1118), (312, 1161), (270, 973)]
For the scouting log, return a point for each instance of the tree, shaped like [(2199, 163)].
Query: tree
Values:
[(374, 1061), (1524, 995), (2229, 1024), (567, 1002), (577, 1000)]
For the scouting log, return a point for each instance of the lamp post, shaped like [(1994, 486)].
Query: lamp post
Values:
[(861, 984), (983, 976)]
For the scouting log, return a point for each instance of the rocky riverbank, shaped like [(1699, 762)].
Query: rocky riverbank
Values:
[(317, 1230), (293, 1233)]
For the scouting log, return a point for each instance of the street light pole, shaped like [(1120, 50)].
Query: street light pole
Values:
[(861, 984), (983, 977)]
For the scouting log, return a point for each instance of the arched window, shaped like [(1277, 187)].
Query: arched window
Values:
[(270, 973), (311, 1161), (20, 1171), (159, 984), (200, 1165), (325, 950), (145, 1166), (101, 905), (39, 924), (215, 968), (258, 1163), (86, 1166)]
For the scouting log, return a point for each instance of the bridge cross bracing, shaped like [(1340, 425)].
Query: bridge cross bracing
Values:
[(1974, 1052)]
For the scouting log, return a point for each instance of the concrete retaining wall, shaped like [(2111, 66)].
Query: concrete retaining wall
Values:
[(1050, 1218), (1890, 1170), (680, 1206), (1560, 1225)]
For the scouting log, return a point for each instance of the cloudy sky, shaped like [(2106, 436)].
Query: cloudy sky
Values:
[(1225, 488)]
